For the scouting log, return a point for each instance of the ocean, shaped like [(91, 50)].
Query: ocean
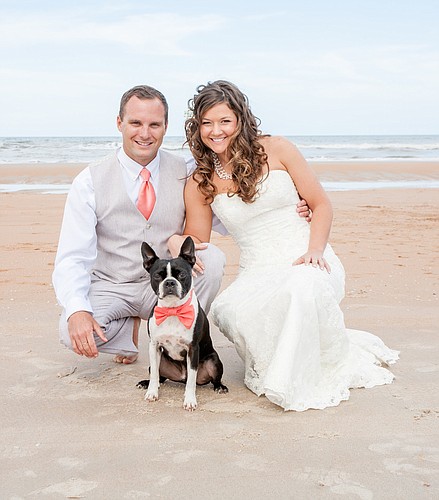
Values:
[(15, 150), (318, 148)]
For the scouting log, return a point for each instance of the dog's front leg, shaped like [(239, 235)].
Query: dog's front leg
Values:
[(190, 399), (152, 394)]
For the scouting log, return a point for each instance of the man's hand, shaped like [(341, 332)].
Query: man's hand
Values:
[(174, 245), (81, 327), (303, 210)]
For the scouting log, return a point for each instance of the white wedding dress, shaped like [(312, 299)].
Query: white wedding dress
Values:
[(285, 320)]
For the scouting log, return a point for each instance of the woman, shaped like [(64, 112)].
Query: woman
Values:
[(282, 312)]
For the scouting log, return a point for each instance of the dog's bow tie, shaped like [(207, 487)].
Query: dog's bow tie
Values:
[(185, 313)]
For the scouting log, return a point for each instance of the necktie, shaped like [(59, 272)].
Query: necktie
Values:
[(146, 199), (185, 313)]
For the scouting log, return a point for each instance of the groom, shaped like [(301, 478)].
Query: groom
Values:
[(133, 195)]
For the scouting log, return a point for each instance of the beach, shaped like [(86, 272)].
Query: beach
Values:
[(79, 428)]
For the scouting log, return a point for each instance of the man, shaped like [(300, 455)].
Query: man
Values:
[(99, 278)]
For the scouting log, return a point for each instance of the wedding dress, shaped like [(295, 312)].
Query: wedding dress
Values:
[(285, 320)]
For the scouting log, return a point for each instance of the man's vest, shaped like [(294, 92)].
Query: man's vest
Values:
[(121, 228)]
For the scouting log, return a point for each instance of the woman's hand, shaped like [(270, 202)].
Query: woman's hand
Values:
[(315, 258), (174, 245)]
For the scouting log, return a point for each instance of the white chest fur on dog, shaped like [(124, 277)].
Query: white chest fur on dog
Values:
[(173, 336)]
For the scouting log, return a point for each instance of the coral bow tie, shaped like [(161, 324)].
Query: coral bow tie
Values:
[(185, 313), (146, 199)]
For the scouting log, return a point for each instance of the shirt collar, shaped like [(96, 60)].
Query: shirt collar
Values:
[(133, 168)]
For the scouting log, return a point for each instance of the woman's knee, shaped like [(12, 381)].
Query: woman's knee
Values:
[(214, 261)]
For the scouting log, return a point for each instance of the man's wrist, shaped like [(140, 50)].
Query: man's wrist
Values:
[(76, 305)]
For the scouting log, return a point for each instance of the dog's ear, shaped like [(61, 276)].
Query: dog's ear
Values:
[(187, 251), (149, 256)]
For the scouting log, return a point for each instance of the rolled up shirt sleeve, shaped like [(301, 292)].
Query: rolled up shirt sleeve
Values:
[(77, 248)]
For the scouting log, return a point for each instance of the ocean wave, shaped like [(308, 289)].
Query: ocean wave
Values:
[(328, 185), (315, 148), (100, 146), (371, 147), (176, 147)]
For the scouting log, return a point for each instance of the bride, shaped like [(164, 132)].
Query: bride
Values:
[(282, 312)]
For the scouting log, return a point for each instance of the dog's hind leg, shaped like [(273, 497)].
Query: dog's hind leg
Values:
[(172, 370), (215, 370), (144, 384)]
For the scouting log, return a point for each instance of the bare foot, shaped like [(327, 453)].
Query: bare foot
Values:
[(125, 360), (128, 360)]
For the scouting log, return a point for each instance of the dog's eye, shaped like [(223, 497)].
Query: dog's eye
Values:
[(157, 276), (182, 275)]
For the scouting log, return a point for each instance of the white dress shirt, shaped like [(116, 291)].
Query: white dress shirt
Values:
[(77, 247)]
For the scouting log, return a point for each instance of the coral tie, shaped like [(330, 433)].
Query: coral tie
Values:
[(146, 199)]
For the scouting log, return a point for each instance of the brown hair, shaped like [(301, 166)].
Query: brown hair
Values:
[(248, 157), (143, 92)]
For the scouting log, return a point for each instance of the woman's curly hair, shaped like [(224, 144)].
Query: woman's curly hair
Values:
[(247, 155)]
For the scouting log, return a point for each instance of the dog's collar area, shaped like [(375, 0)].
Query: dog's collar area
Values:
[(185, 313)]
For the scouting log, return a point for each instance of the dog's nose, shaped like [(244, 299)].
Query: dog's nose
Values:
[(170, 284)]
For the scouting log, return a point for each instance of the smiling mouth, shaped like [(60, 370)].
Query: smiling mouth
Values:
[(218, 140), (143, 144)]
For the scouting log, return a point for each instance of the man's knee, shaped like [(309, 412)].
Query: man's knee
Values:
[(208, 284), (214, 261), (64, 336)]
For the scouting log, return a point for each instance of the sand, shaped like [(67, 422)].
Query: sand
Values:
[(79, 428)]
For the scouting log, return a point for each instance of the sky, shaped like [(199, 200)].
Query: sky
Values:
[(333, 67)]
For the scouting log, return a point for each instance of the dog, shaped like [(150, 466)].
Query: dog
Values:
[(180, 346)]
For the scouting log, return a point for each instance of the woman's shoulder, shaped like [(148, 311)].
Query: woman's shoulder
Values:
[(191, 182), (191, 187), (275, 142), (278, 148)]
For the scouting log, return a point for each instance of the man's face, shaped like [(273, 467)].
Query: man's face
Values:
[(143, 128)]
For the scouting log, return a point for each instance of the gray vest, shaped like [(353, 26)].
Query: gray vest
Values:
[(121, 228)]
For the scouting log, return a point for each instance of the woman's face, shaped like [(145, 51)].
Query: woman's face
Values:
[(218, 125)]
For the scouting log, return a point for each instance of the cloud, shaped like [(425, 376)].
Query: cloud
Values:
[(156, 33), (337, 69)]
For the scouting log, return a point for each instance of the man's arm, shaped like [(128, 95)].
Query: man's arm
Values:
[(303, 210), (75, 255)]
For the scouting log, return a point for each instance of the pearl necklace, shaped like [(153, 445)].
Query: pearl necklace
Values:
[(219, 169)]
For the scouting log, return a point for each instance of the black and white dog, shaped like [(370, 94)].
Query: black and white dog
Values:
[(180, 345)]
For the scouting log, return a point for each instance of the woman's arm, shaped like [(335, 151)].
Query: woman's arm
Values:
[(198, 222), (308, 185), (198, 213)]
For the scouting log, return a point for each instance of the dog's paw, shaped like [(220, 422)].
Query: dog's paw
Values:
[(221, 389), (143, 384), (190, 404), (152, 396)]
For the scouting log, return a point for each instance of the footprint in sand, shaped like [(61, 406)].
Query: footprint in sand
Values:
[(341, 484), (183, 456), (73, 488), (252, 462), (428, 368), (72, 463), (408, 456)]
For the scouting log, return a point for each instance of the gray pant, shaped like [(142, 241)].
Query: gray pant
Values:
[(116, 305)]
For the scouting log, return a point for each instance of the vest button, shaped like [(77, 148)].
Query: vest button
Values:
[(148, 226)]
